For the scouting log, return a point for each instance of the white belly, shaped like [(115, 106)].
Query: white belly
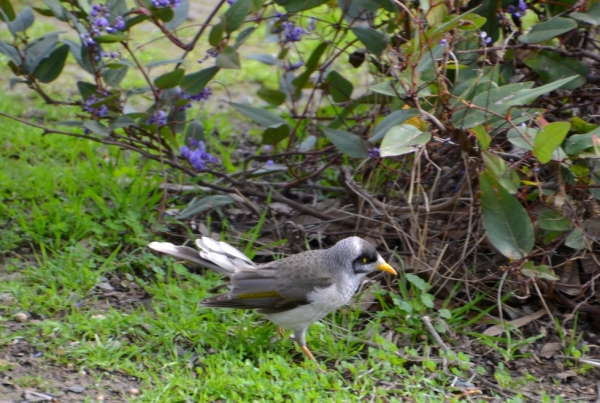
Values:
[(322, 302)]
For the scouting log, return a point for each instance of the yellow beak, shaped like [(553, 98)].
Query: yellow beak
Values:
[(386, 267)]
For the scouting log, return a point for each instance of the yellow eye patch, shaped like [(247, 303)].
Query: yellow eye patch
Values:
[(364, 260)]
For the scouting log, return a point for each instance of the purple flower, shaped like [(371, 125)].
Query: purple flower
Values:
[(87, 40), (291, 32), (294, 66), (522, 6), (443, 41), (159, 118), (96, 111), (374, 152), (165, 3), (312, 24), (184, 151), (231, 2), (198, 157), (269, 163)]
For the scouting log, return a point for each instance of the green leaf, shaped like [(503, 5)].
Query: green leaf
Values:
[(339, 87), (259, 115), (110, 38), (86, 89), (403, 139), (38, 50), (56, 8), (180, 14), (216, 34), (348, 143), (170, 80), (374, 41), (164, 62), (243, 36), (50, 68), (578, 143), (229, 59), (393, 119), (205, 204), (546, 30), (295, 6), (482, 136), (552, 66), (507, 177), (78, 52), (167, 134), (96, 127), (264, 58), (548, 139), (8, 10), (85, 6), (195, 82), (236, 14), (114, 76), (529, 269), (194, 131), (311, 65), (23, 21), (417, 281), (491, 99), (575, 240), (276, 133), (11, 52), (271, 96), (551, 220), (507, 223)]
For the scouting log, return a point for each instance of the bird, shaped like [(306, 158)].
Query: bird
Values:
[(293, 292)]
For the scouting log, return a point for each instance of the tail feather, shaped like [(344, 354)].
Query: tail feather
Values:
[(217, 256)]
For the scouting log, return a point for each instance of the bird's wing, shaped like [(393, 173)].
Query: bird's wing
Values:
[(262, 288)]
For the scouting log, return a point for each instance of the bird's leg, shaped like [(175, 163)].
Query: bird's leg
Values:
[(299, 337), (280, 331), (306, 351)]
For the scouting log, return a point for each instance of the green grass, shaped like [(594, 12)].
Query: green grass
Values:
[(74, 214)]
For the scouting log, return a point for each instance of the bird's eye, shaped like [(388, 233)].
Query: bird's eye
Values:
[(364, 260)]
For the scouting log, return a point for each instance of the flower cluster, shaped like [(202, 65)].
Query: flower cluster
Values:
[(97, 111), (165, 3), (291, 33), (374, 153), (159, 118), (197, 156), (517, 11), (203, 95), (99, 20)]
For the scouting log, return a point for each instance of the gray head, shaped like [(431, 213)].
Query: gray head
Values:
[(357, 256)]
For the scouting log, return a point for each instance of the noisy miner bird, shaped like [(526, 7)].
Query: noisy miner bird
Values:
[(293, 292)]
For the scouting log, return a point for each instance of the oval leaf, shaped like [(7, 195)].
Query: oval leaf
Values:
[(393, 119), (548, 139), (548, 29), (170, 80), (506, 222), (402, 139), (259, 115), (195, 82), (348, 143), (374, 41)]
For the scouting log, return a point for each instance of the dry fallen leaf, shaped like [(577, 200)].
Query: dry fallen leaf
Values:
[(549, 350), (498, 329), (564, 375)]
